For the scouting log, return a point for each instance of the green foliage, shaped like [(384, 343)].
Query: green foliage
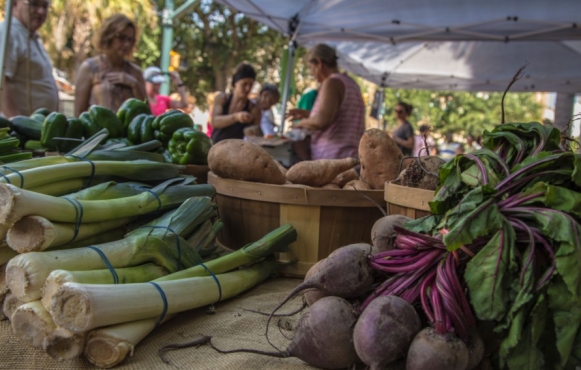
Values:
[(461, 112)]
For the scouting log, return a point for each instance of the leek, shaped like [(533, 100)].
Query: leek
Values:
[(107, 347), (15, 157), (32, 324), (26, 273), (63, 345), (35, 234), (62, 187), (82, 307), (16, 203), (133, 170), (11, 303), (128, 275)]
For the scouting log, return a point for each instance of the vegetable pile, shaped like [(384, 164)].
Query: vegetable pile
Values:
[(79, 250), (132, 125), (379, 158), (501, 250)]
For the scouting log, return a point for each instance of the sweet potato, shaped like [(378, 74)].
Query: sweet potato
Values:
[(344, 177), (380, 158), (281, 168), (358, 184), (331, 186), (241, 160), (319, 172)]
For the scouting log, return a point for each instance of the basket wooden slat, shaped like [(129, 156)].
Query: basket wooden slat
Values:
[(410, 202)]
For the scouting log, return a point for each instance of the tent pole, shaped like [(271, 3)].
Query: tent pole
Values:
[(167, 41), (287, 78), (4, 44), (563, 109)]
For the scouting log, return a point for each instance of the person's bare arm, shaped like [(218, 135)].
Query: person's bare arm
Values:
[(220, 120), (332, 95), (296, 113), (9, 107), (83, 85), (407, 143), (139, 87)]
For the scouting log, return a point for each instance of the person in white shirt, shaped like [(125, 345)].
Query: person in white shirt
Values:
[(28, 80), (267, 98)]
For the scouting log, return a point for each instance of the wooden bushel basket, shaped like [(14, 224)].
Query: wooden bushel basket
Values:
[(325, 219), (410, 202)]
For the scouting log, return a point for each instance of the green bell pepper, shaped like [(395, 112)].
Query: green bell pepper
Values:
[(105, 118), (90, 127), (134, 129), (166, 124), (147, 131), (74, 131), (130, 109), (55, 125), (188, 146)]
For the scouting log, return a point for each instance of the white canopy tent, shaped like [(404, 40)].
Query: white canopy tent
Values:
[(464, 45)]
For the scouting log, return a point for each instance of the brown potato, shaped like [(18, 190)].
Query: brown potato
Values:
[(380, 158), (241, 160), (356, 185), (345, 177), (319, 172)]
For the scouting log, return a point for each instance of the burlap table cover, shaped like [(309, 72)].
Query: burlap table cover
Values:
[(230, 326)]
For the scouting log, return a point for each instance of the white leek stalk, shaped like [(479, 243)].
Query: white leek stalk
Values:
[(16, 203), (128, 275), (32, 324), (11, 303), (63, 345), (82, 307), (27, 273), (133, 170), (107, 347), (35, 233)]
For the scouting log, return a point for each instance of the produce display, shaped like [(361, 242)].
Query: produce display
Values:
[(79, 249), (379, 157), (131, 125)]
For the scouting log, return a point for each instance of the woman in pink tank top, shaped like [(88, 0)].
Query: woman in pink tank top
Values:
[(337, 120)]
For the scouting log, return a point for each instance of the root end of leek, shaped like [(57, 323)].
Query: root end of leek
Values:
[(7, 203), (17, 281), (106, 352), (32, 324), (30, 234), (71, 309), (62, 345)]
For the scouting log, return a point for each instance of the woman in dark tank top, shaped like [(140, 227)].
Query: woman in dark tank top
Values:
[(234, 112)]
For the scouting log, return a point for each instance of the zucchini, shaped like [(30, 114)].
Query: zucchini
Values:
[(27, 127)]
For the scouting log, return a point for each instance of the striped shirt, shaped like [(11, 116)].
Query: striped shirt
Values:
[(341, 138)]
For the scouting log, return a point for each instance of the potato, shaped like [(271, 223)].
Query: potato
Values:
[(380, 158), (345, 177), (281, 168), (356, 185), (331, 186), (242, 160), (319, 172)]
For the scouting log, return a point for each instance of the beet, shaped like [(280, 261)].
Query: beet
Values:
[(324, 335), (313, 295), (385, 330), (430, 350), (475, 349), (344, 273), (424, 175), (383, 233)]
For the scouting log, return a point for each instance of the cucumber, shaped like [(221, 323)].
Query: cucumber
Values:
[(5, 122), (33, 145), (27, 127)]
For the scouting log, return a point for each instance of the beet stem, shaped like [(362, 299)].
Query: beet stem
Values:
[(292, 313), (196, 342)]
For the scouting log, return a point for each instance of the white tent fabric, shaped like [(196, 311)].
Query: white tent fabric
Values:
[(467, 65), (395, 21), (439, 44)]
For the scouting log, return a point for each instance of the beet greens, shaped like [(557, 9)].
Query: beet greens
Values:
[(505, 228)]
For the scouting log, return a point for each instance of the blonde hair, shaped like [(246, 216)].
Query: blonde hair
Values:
[(110, 29), (323, 52)]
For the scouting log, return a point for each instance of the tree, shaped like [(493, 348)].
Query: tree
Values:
[(462, 112), (71, 24), (213, 39)]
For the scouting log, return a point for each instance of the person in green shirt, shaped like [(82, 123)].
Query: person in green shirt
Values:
[(307, 100)]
